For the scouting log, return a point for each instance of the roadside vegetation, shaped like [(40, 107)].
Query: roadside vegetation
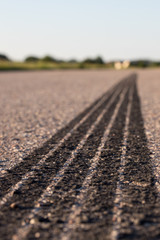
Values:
[(51, 63)]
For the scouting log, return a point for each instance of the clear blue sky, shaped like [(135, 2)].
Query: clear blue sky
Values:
[(114, 29)]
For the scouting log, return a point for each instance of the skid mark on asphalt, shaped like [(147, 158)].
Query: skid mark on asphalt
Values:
[(94, 219), (88, 118), (119, 196), (93, 179), (50, 189), (76, 209), (71, 183), (25, 197), (15, 174), (73, 179), (139, 206)]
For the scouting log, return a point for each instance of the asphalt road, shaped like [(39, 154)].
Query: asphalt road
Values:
[(80, 155)]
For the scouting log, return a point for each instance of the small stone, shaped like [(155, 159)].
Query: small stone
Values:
[(13, 205), (37, 234), (84, 219), (23, 223), (3, 171), (38, 205), (32, 221)]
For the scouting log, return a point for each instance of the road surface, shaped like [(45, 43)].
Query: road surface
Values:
[(80, 154)]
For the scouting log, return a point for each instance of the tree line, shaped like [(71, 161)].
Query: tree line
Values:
[(97, 60)]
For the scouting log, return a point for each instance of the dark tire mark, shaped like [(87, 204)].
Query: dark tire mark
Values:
[(140, 214), (74, 177), (15, 174), (96, 216), (27, 195)]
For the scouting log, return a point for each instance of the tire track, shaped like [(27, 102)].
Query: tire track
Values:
[(59, 176), (117, 201), (139, 215), (27, 194), (15, 174), (66, 191), (73, 222), (42, 161)]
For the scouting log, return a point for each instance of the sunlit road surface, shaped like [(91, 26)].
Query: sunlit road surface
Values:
[(80, 155)]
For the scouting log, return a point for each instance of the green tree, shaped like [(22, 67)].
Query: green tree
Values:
[(4, 58), (49, 59), (97, 60), (31, 59)]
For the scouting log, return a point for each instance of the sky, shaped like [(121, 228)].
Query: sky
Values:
[(67, 29)]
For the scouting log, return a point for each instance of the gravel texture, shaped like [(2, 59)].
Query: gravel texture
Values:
[(149, 91), (35, 105), (96, 178)]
